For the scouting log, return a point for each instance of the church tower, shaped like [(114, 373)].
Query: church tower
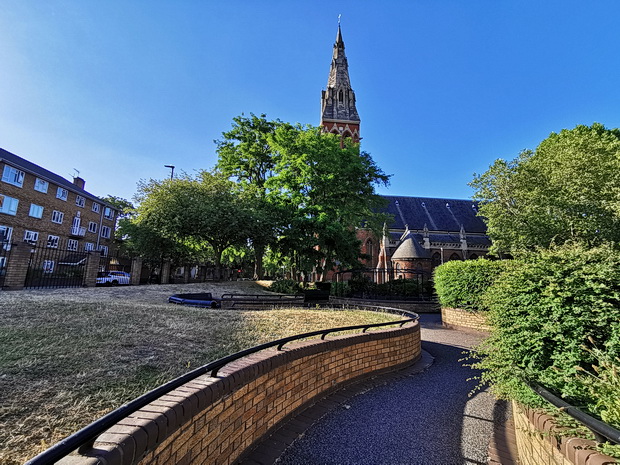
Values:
[(338, 112)]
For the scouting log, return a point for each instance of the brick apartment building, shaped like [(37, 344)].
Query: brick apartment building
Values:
[(46, 210)]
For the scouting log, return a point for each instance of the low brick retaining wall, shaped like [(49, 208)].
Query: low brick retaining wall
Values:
[(458, 318), (218, 420), (538, 442), (407, 305)]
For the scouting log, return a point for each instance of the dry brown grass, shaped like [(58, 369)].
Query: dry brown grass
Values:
[(67, 356)]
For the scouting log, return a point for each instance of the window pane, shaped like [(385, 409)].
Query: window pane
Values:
[(36, 211), (41, 185), (13, 176)]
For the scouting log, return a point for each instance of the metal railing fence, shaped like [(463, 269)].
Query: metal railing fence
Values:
[(86, 436)]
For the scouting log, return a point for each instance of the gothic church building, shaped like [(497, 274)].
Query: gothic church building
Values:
[(426, 232)]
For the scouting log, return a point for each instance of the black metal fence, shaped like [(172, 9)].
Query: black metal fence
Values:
[(115, 262), (58, 266), (384, 284), (5, 254)]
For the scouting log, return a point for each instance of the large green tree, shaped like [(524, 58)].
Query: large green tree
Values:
[(326, 189), (201, 213), (245, 155), (568, 189), (244, 152)]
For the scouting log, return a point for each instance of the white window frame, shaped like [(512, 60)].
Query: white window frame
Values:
[(72, 245), (7, 233), (62, 193), (80, 201), (31, 236), (36, 211), (89, 247), (108, 213), (57, 217), (104, 250), (48, 266), (105, 232), (13, 176), (96, 207), (92, 227), (8, 205), (41, 185), (52, 241)]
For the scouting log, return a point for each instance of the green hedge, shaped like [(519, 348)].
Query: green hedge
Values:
[(285, 286), (461, 284), (554, 315)]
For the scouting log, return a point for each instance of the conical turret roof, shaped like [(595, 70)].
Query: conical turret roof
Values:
[(410, 249)]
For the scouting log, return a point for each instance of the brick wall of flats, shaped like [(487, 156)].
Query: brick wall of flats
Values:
[(539, 442), (458, 318), (218, 420)]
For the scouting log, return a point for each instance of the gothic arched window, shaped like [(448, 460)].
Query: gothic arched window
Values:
[(436, 259), (369, 249), (455, 256), (340, 96)]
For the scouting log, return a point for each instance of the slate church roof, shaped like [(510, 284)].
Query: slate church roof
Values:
[(434, 214)]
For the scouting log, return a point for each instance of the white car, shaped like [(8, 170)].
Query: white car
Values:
[(113, 278)]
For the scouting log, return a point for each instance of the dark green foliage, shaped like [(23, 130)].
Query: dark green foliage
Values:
[(564, 191), (548, 311), (461, 284), (340, 289), (285, 286)]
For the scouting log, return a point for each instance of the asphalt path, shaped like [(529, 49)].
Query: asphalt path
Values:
[(428, 418)]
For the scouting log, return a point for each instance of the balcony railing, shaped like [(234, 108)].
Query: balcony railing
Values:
[(78, 231)]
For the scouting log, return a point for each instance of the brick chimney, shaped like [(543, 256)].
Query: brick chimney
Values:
[(79, 182)]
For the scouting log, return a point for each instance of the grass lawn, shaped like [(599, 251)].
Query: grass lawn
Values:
[(67, 356)]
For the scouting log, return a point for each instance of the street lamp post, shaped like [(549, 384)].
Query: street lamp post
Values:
[(171, 170)]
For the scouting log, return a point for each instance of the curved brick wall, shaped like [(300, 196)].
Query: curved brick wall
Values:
[(538, 442), (459, 318), (216, 420)]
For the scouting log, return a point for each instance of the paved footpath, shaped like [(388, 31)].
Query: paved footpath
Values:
[(428, 418)]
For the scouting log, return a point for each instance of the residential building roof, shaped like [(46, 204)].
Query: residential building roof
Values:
[(32, 168)]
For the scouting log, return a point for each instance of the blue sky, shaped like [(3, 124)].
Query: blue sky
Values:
[(118, 89)]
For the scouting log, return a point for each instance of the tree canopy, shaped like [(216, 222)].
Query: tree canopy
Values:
[(307, 190), (290, 191), (326, 190), (201, 213), (567, 190)]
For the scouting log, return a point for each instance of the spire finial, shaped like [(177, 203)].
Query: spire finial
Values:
[(339, 20)]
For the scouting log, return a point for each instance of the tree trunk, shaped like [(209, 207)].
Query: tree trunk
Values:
[(259, 252), (217, 276)]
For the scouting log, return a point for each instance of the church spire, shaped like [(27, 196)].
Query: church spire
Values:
[(338, 112)]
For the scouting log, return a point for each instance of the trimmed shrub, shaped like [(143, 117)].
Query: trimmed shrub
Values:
[(548, 312), (461, 284), (285, 286)]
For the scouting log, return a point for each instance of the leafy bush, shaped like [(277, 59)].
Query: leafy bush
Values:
[(285, 286), (461, 284), (547, 311), (340, 289), (603, 386)]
